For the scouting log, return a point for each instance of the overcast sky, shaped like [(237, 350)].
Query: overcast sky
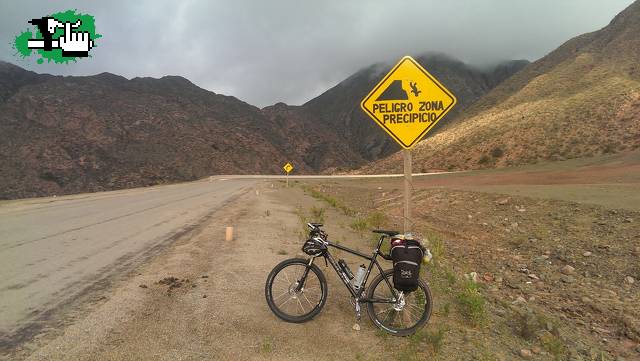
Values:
[(266, 51)]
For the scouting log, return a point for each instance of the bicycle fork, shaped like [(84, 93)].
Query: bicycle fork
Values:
[(302, 279)]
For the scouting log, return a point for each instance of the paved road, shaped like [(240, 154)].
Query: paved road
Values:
[(53, 249)]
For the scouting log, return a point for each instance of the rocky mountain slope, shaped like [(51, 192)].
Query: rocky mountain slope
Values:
[(580, 100), (339, 107), (75, 134), (62, 135)]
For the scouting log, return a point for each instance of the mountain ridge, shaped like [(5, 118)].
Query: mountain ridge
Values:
[(69, 134), (580, 100)]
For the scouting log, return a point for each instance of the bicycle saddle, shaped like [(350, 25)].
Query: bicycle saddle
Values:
[(388, 233)]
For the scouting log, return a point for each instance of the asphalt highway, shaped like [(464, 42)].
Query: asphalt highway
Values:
[(54, 249)]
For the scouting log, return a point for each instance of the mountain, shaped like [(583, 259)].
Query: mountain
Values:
[(580, 100), (61, 135), (339, 107), (75, 134)]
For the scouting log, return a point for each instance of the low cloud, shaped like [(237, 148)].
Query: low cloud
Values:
[(264, 52)]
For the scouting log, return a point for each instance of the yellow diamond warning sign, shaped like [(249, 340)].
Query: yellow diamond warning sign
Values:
[(408, 102), (288, 167)]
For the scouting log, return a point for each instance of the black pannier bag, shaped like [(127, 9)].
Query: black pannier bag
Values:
[(407, 257)]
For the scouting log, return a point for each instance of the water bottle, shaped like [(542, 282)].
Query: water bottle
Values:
[(345, 269), (359, 278)]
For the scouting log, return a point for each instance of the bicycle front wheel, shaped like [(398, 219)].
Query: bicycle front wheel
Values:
[(407, 315), (293, 297)]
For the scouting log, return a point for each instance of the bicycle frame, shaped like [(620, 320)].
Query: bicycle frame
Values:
[(372, 261)]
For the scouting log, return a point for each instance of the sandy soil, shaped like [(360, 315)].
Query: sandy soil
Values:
[(215, 307)]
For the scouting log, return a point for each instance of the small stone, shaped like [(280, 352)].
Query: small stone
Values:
[(548, 252), (469, 216), (586, 300), (502, 201), (533, 276), (549, 326), (204, 296), (567, 270), (526, 354), (567, 279), (628, 220), (587, 254), (630, 280), (522, 210), (472, 276), (143, 286), (536, 349), (541, 258), (488, 277)]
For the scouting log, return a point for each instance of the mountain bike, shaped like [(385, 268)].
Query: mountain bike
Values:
[(296, 289)]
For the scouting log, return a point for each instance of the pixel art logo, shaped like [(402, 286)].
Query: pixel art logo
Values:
[(58, 38)]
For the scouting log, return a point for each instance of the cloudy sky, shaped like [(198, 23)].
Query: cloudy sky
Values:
[(264, 52)]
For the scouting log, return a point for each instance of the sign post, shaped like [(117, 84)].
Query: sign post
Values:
[(287, 169), (406, 155), (407, 103)]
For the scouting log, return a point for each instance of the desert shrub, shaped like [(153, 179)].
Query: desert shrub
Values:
[(497, 152), (317, 214), (471, 303)]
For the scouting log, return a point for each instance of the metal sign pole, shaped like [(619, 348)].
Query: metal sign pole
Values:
[(287, 178), (407, 190)]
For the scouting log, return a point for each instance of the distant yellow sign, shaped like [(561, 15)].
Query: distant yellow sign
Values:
[(288, 168), (408, 102)]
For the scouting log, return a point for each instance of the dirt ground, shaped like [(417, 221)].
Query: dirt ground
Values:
[(203, 298), (558, 276)]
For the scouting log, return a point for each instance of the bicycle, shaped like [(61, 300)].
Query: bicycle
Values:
[(292, 283)]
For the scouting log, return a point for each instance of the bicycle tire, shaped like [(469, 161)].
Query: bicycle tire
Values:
[(269, 291), (426, 313)]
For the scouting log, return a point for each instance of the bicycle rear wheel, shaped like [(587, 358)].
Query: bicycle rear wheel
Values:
[(410, 313), (289, 296)]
